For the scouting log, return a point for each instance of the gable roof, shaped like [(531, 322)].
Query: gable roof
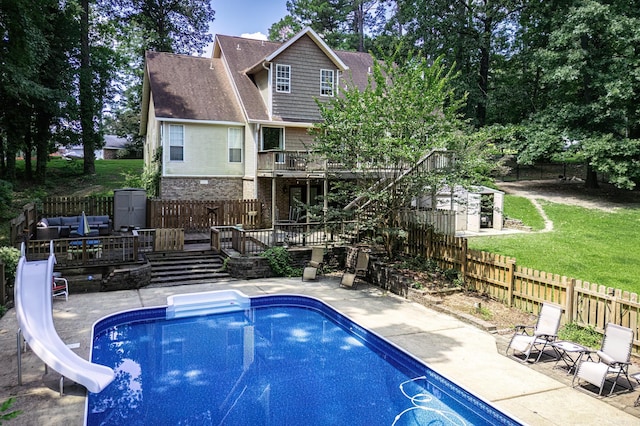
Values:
[(191, 88), (222, 88), (245, 57), (318, 41)]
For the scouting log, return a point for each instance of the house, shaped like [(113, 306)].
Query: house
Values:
[(235, 126), (112, 145)]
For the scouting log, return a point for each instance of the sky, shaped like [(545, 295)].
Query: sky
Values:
[(247, 17)]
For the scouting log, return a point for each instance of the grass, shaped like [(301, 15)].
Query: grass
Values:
[(65, 177), (586, 244), (523, 209)]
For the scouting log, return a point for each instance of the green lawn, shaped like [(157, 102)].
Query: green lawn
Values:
[(522, 208), (587, 244), (64, 176)]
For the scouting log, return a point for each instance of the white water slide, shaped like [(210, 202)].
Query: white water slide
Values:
[(35, 318)]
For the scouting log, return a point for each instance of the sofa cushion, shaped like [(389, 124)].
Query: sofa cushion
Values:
[(70, 221), (54, 221), (98, 219)]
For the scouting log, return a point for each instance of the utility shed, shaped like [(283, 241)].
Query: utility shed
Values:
[(478, 207)]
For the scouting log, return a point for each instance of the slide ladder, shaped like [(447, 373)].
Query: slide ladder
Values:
[(33, 304)]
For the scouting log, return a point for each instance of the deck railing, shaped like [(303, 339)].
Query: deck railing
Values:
[(92, 251), (254, 241)]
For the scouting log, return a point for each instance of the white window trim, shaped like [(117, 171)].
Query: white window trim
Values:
[(287, 79), (181, 126), (279, 156), (324, 72), (229, 147)]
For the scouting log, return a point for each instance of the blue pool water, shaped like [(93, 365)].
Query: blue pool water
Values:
[(286, 360)]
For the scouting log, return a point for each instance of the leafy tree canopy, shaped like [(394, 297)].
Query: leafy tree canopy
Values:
[(383, 133)]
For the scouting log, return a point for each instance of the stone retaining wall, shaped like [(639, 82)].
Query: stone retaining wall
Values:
[(201, 188)]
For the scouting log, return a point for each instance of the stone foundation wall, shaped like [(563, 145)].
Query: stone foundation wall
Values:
[(201, 188), (133, 277), (248, 267), (388, 279)]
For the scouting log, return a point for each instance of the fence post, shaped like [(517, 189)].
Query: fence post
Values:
[(464, 259), (510, 278), (569, 308)]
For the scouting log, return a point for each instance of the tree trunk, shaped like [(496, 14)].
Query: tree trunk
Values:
[(483, 73), (85, 93), (28, 148), (42, 146), (592, 178)]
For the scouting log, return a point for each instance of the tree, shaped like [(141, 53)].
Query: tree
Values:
[(342, 23), (468, 34), (591, 74), (383, 131)]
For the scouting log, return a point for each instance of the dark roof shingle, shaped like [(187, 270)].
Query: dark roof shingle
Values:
[(191, 88)]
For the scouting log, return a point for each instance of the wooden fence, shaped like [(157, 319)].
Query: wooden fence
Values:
[(587, 304), (200, 216), (74, 206)]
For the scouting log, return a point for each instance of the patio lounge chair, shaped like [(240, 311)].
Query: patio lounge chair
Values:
[(317, 258), (528, 339), (361, 266), (315, 265), (614, 355)]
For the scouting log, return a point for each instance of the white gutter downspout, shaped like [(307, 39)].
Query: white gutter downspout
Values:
[(267, 66), (256, 143)]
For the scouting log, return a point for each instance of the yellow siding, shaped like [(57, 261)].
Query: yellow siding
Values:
[(152, 140), (205, 152)]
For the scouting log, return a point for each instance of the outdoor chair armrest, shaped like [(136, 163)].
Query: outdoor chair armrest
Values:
[(523, 328)]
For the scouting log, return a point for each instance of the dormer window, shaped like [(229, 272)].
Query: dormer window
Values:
[(326, 82), (283, 78)]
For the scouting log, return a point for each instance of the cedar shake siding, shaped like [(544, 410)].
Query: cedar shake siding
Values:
[(298, 139), (306, 60)]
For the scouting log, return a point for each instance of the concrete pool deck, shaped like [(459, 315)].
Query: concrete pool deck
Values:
[(468, 355)]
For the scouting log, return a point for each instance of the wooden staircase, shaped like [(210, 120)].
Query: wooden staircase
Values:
[(185, 267)]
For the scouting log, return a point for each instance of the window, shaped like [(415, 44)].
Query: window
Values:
[(176, 142), (326, 82), (235, 145), (283, 78), (273, 140)]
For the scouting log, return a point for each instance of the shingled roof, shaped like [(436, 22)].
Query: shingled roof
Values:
[(244, 56), (191, 88), (197, 88)]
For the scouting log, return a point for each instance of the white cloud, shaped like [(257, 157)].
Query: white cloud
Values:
[(255, 36)]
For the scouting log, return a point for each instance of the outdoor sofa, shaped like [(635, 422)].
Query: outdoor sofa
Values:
[(50, 228)]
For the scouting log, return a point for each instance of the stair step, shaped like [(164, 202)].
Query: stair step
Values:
[(180, 268)]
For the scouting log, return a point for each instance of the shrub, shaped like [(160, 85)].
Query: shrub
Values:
[(9, 256), (586, 336), (280, 262)]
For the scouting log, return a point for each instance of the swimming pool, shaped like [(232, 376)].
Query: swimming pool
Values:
[(270, 360)]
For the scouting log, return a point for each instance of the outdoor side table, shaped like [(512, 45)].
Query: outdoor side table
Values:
[(570, 353), (636, 376)]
